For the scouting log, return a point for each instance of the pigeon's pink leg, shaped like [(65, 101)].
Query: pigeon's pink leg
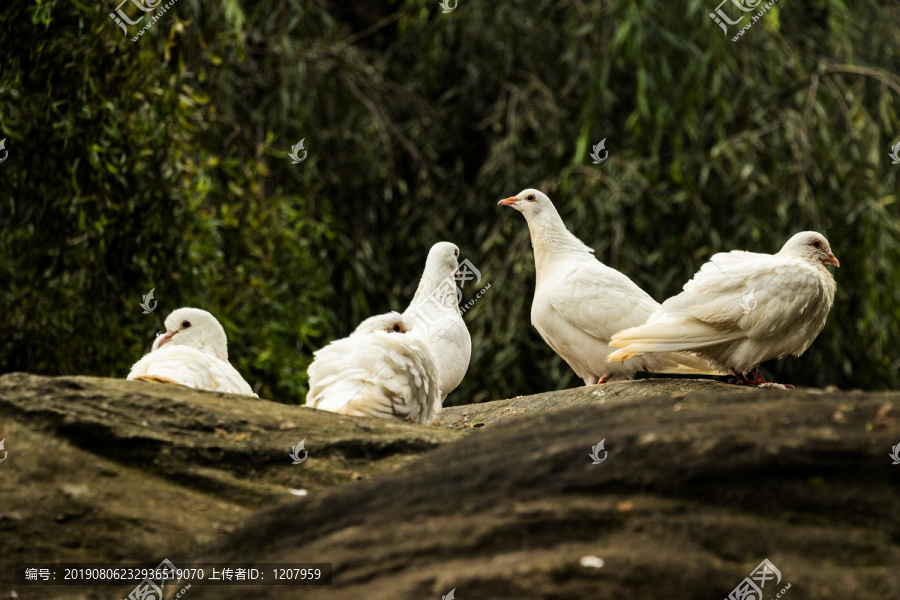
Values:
[(739, 379), (604, 379), (756, 377)]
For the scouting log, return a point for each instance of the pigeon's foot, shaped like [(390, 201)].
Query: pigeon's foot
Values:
[(739, 379), (757, 380), (603, 379)]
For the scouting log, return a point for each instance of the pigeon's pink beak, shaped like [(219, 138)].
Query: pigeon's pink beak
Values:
[(508, 201), (832, 260), (166, 338)]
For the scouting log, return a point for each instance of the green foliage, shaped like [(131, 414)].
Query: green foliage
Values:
[(163, 163)]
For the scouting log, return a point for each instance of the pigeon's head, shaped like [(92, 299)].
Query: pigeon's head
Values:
[(812, 246), (195, 328), (391, 322), (528, 202), (442, 261)]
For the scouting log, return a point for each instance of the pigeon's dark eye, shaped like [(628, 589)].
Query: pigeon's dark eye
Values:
[(185, 324), (398, 327), (530, 197), (817, 244), (456, 253)]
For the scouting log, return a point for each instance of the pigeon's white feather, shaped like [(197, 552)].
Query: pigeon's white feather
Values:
[(376, 373), (190, 367), (435, 318), (743, 308), (580, 303), (193, 353)]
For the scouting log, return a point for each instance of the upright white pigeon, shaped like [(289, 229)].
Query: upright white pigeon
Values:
[(743, 308), (435, 317), (378, 371), (193, 353), (580, 303)]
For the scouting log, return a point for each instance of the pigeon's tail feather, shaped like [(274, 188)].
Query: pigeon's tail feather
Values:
[(677, 363), (673, 335), (622, 355)]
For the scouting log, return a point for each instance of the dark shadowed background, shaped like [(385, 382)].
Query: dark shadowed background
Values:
[(163, 163)]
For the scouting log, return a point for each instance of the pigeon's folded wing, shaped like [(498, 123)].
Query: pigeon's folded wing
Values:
[(600, 301), (735, 295), (757, 294), (227, 379)]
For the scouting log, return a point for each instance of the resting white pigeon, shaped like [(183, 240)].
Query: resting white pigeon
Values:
[(435, 317), (743, 308), (378, 371), (193, 353), (579, 303)]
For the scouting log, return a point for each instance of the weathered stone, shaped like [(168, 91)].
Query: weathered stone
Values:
[(701, 482), (110, 470)]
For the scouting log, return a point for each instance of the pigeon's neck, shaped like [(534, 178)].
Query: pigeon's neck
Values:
[(433, 288), (551, 240)]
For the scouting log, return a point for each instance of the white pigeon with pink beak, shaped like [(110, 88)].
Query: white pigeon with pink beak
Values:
[(743, 308), (193, 353), (580, 303)]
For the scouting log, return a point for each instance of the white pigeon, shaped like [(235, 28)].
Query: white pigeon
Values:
[(435, 317), (378, 371), (743, 308), (193, 353), (580, 303)]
